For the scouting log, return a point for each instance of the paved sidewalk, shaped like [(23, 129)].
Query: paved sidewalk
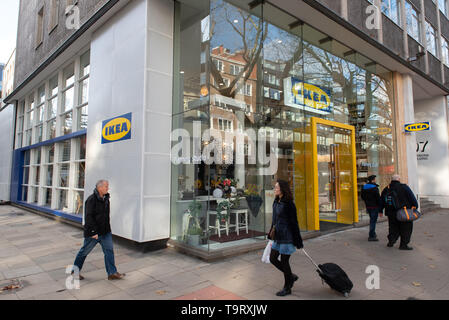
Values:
[(36, 250)]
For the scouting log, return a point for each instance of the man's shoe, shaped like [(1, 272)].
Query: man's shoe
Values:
[(116, 276), (284, 292), (373, 239), (405, 248), (389, 244)]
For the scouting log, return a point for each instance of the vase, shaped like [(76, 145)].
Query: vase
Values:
[(218, 193), (254, 204)]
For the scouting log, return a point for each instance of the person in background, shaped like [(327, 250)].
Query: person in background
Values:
[(371, 196), (395, 196), (285, 234)]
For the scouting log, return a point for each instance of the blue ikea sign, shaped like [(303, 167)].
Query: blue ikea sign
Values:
[(416, 127), (116, 129)]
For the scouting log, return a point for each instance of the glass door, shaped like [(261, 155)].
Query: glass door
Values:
[(334, 172)]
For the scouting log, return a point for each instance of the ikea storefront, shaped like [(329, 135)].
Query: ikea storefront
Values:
[(323, 109), (262, 94)]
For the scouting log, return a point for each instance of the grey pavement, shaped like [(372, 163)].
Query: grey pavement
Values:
[(36, 250)]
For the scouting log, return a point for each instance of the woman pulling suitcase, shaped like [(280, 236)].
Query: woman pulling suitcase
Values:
[(285, 234)]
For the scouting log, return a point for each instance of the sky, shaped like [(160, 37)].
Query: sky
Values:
[(9, 12)]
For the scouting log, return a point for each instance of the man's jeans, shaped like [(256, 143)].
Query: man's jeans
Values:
[(106, 244), (373, 214)]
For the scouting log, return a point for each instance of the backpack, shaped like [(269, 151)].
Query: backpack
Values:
[(391, 199)]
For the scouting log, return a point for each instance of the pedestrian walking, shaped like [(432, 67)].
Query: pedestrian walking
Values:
[(285, 234), (395, 196), (97, 229), (371, 197)]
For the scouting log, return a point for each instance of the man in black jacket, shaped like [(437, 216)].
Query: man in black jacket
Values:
[(97, 229), (371, 196), (395, 196)]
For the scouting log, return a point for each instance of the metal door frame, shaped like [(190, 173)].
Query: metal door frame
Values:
[(315, 121)]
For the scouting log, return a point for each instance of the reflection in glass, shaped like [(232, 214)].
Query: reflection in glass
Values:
[(67, 123), (67, 99), (63, 201), (65, 155), (78, 202), (47, 195), (64, 175)]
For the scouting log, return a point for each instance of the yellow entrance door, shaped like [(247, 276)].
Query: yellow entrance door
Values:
[(325, 162)]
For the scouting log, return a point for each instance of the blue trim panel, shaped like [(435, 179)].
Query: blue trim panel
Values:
[(17, 175), (53, 212), (55, 140)]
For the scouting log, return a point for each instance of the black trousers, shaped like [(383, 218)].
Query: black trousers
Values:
[(283, 266), (398, 229)]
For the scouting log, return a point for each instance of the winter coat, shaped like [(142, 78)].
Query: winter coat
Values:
[(285, 222), (371, 195), (97, 220), (405, 197)]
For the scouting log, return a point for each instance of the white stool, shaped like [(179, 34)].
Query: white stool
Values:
[(242, 225), (218, 226)]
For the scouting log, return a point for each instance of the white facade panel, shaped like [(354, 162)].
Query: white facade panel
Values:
[(117, 88), (433, 150)]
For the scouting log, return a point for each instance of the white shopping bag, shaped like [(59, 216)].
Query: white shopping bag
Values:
[(267, 252)]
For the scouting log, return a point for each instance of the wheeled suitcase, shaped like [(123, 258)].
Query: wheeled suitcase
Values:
[(334, 276)]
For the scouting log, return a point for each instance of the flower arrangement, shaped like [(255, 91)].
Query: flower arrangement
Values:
[(252, 190), (198, 184), (221, 183), (223, 210)]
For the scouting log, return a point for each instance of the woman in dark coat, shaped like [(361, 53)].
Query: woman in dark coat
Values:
[(287, 236)]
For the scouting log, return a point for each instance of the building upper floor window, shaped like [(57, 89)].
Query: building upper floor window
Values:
[(235, 70), (54, 14), (431, 39), (219, 65), (58, 106), (40, 27), (445, 51), (392, 9), (442, 4), (412, 18)]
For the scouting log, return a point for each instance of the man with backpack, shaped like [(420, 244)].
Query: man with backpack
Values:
[(371, 196), (394, 197)]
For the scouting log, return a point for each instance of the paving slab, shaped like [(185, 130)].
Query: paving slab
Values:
[(39, 261)]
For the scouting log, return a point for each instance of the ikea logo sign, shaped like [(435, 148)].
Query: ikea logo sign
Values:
[(313, 98), (415, 127), (116, 129)]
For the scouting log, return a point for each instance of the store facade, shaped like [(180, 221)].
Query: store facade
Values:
[(261, 96), (194, 109)]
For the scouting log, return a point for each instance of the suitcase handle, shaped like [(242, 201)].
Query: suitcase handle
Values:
[(311, 260)]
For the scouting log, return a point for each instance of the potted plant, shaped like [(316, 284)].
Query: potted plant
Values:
[(254, 199), (194, 235), (194, 231)]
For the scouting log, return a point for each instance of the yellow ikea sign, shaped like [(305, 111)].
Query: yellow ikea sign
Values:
[(116, 129), (415, 127), (313, 98), (382, 131)]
